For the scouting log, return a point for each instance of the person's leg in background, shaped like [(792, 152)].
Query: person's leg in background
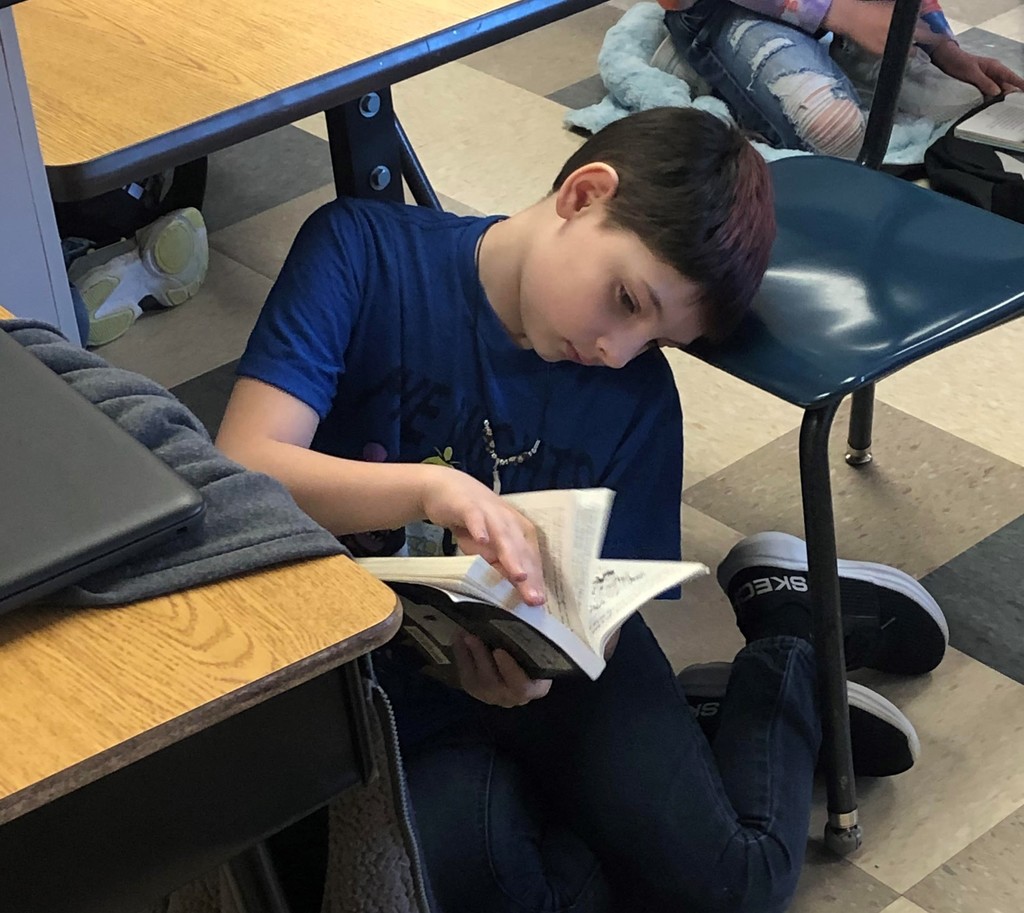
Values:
[(778, 81)]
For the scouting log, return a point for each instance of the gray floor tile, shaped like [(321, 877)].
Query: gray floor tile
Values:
[(984, 878), (828, 882), (264, 172), (580, 94), (927, 497), (988, 44), (980, 593), (549, 58)]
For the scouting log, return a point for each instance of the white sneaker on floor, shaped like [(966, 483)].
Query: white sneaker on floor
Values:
[(165, 264), (668, 59)]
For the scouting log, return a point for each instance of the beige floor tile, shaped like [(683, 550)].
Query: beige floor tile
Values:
[(725, 419), (957, 26), (977, 11), (969, 777), (261, 242), (210, 329), (701, 627), (550, 58), (497, 148), (974, 390), (1010, 24), (904, 906), (314, 124), (987, 877), (927, 497), (832, 884)]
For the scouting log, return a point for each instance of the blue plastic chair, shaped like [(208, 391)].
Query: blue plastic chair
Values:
[(868, 274)]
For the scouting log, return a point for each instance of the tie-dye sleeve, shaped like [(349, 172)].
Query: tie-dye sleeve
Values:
[(808, 15), (935, 19), (804, 14)]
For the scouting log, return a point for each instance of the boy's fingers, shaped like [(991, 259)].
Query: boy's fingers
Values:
[(464, 661), (1011, 81), (476, 527), (517, 681), (987, 86), (487, 674)]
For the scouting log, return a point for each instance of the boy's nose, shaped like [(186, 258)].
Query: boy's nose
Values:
[(619, 349)]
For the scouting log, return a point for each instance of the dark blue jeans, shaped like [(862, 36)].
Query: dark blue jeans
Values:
[(606, 796)]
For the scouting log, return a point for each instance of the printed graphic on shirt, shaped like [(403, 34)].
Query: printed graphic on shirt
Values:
[(442, 458)]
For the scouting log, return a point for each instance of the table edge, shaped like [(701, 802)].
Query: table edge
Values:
[(202, 717), (80, 180)]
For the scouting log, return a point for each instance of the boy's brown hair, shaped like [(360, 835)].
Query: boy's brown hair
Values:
[(698, 195)]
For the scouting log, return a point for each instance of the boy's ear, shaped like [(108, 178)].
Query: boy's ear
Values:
[(595, 182)]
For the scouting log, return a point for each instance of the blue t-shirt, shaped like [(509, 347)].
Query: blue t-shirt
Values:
[(379, 323)]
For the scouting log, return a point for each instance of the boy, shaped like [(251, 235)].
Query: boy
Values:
[(408, 365)]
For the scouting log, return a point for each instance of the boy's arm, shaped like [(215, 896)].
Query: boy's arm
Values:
[(268, 430)]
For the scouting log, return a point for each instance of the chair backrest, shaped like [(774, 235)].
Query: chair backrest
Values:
[(890, 81)]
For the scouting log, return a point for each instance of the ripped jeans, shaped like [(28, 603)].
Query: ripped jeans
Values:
[(779, 81)]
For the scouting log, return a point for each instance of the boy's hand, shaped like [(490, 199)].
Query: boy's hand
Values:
[(987, 75), (494, 677), (867, 23), (483, 524)]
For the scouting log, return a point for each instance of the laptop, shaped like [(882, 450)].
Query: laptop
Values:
[(77, 493)]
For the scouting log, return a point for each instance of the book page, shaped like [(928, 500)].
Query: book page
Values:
[(464, 575), (999, 124), (619, 588), (571, 526)]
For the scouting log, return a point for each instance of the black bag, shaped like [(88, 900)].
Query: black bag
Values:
[(117, 214), (972, 172)]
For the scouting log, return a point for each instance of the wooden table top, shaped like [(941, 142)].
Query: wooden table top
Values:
[(84, 692), (106, 76)]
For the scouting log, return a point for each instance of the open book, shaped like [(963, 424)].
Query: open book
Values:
[(1000, 124), (587, 597)]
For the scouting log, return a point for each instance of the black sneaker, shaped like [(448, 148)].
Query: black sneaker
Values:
[(884, 740), (890, 622)]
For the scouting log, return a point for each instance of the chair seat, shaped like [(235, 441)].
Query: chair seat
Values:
[(869, 273)]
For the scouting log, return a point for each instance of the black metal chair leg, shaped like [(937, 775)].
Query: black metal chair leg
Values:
[(413, 171), (862, 413), (253, 882), (365, 154), (842, 832)]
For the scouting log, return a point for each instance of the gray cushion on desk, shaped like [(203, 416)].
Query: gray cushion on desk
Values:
[(251, 520)]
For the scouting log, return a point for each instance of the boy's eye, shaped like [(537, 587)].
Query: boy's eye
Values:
[(627, 301)]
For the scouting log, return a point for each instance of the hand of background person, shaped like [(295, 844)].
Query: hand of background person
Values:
[(483, 524), (493, 676), (986, 74), (867, 22)]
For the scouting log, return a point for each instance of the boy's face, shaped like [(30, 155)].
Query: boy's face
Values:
[(597, 295)]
